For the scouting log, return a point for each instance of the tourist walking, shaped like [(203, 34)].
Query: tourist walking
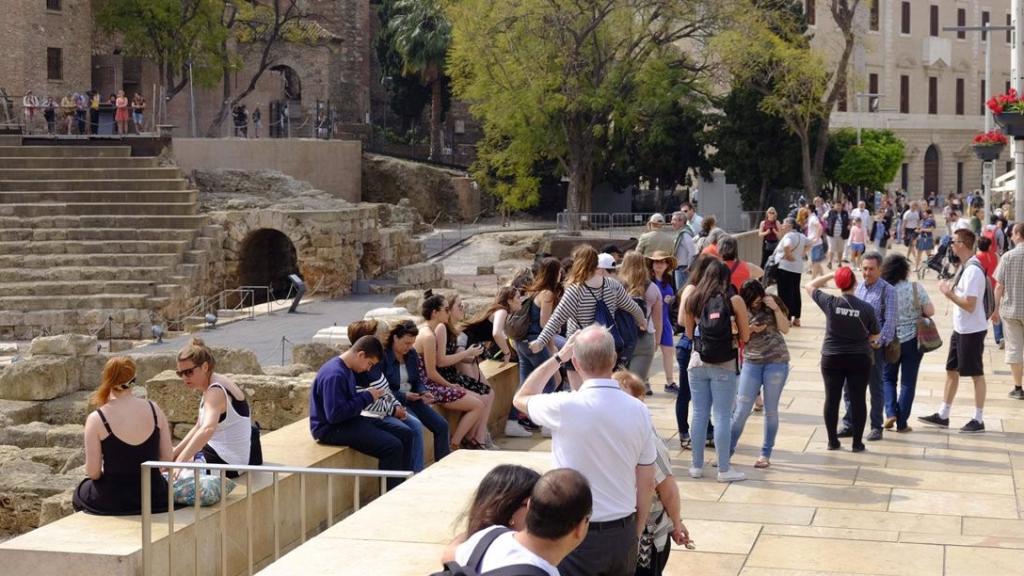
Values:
[(913, 304), (662, 263), (765, 366), (50, 115), (1009, 293), (685, 248), (606, 435), (858, 242), (138, 113), (121, 113), (837, 226), (910, 223), (636, 279), (816, 237), (708, 314), (967, 344), (790, 259), (657, 238), (257, 121), (768, 230), (881, 227), (925, 238), (881, 296), (851, 336), (587, 290), (543, 295)]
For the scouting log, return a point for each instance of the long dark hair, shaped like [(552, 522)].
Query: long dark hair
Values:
[(895, 269), (502, 491), (715, 280), (752, 290), (697, 268), (431, 303), (546, 277)]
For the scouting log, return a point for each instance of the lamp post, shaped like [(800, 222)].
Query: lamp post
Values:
[(875, 99), (987, 168), (1017, 11)]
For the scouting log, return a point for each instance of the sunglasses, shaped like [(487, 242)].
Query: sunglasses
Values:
[(186, 372)]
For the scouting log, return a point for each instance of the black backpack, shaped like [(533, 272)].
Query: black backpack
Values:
[(629, 331), (455, 569), (715, 341), (517, 325), (989, 300)]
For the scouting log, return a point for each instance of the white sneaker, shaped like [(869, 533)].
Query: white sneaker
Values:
[(697, 472), (490, 445), (514, 429), (545, 432), (731, 476)]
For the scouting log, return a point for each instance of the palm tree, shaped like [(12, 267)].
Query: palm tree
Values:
[(422, 35)]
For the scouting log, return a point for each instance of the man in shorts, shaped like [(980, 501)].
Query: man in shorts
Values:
[(967, 344), (1010, 298)]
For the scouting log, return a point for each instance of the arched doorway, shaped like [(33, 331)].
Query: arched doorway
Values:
[(931, 171), (286, 109), (267, 258)]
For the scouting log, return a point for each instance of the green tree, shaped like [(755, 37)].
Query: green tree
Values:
[(754, 148), (872, 164), (545, 77), (421, 34)]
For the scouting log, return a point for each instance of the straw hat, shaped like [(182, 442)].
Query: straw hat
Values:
[(660, 255)]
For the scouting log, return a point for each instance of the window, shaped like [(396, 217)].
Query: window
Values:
[(985, 19), (53, 5), (959, 177), (961, 21), (933, 24), (984, 98), (959, 96), (809, 12), (905, 18), (873, 89), (1009, 33), (54, 64), (875, 15), (904, 176), (933, 95), (904, 94)]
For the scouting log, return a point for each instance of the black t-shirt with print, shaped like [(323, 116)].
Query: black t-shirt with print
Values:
[(848, 321)]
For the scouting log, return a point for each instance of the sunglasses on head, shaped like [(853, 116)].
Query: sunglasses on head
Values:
[(186, 372)]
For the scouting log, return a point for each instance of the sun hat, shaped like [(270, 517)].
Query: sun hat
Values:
[(656, 218), (606, 261), (844, 278), (660, 255)]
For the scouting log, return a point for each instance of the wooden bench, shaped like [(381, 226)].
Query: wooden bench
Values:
[(504, 380), (112, 545)]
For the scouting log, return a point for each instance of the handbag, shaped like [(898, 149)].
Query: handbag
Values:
[(928, 338), (892, 351)]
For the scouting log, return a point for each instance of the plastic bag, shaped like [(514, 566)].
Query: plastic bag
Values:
[(209, 489)]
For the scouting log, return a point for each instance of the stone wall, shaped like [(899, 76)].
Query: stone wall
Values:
[(29, 29), (429, 189)]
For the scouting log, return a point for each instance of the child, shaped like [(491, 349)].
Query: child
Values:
[(857, 240)]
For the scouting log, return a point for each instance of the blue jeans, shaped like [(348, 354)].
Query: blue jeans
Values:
[(683, 350), (714, 392), (680, 275), (909, 363), (433, 421), (391, 445), (874, 391), (415, 427), (753, 378), (997, 331), (528, 362)]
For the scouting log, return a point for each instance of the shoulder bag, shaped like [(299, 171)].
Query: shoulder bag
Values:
[(928, 338)]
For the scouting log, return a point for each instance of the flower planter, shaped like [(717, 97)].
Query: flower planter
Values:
[(1012, 124), (988, 152)]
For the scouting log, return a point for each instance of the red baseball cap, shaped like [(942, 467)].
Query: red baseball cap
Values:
[(844, 278)]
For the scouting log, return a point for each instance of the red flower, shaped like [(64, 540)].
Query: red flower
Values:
[(992, 138)]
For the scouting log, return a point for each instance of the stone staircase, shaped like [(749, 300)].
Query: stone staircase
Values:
[(89, 233)]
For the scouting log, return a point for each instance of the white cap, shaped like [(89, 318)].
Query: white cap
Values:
[(606, 261), (656, 218)]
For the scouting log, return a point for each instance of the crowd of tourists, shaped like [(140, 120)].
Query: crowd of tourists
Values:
[(585, 332), (79, 112)]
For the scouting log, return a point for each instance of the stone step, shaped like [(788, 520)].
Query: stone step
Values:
[(60, 172), (144, 222), (65, 151), (108, 196), (81, 274), (127, 185), (100, 209), (31, 324), (80, 287), (95, 247), (89, 260), (78, 302), (78, 162), (92, 234)]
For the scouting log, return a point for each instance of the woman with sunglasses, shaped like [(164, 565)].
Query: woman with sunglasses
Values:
[(120, 435), (224, 432)]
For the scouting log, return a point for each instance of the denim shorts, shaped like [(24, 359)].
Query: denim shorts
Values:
[(818, 253)]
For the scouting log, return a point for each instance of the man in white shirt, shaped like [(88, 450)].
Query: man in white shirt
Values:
[(967, 344), (607, 436), (816, 236), (557, 517), (693, 220)]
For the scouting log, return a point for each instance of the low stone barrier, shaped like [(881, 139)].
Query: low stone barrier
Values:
[(504, 380)]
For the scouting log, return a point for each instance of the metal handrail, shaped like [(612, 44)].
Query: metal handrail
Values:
[(197, 467)]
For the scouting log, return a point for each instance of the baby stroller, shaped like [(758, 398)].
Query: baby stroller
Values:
[(939, 262)]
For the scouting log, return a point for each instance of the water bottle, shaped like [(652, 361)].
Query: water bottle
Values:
[(201, 458)]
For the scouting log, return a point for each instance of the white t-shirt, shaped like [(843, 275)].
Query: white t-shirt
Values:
[(911, 219), (962, 224), (504, 551), (814, 230), (604, 434), (799, 243), (972, 283), (863, 214)]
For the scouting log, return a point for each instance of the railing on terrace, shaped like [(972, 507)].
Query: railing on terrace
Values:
[(222, 469)]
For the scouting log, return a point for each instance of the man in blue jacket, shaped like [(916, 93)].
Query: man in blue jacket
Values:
[(336, 406)]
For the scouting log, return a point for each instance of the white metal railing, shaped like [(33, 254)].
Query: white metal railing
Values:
[(276, 471), (572, 221)]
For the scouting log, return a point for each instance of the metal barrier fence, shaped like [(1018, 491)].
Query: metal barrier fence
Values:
[(732, 222), (276, 471)]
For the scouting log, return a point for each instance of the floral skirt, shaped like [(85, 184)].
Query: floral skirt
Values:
[(442, 394)]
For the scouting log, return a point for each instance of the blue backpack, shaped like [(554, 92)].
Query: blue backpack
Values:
[(604, 317)]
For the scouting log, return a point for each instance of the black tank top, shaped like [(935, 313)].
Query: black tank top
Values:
[(121, 458)]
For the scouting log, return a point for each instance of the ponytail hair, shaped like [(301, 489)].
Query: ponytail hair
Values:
[(197, 351), (118, 375)]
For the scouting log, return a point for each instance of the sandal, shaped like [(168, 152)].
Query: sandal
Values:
[(469, 444), (762, 462)]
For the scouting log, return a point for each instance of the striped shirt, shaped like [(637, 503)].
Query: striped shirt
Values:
[(578, 305), (1010, 273)]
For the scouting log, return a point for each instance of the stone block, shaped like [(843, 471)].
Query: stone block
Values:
[(28, 435), (484, 270), (65, 435), (40, 378), (291, 370), (64, 345), (21, 495), (120, 346), (57, 459), (70, 409), (55, 507), (14, 412)]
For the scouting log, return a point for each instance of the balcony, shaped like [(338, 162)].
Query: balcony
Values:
[(936, 52)]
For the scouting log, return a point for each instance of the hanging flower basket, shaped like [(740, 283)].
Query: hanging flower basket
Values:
[(989, 145), (1008, 111), (1012, 124)]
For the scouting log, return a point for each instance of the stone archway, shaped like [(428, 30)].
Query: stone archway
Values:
[(932, 171), (266, 258)]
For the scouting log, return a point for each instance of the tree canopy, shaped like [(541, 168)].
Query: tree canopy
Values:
[(873, 164)]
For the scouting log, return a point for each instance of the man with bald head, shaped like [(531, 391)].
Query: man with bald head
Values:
[(606, 435)]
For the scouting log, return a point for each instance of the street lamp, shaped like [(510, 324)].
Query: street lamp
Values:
[(988, 168), (873, 105)]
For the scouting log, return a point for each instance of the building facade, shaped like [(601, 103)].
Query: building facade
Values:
[(931, 83)]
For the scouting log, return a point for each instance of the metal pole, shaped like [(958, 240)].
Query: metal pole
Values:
[(147, 518), (987, 168), (1018, 149)]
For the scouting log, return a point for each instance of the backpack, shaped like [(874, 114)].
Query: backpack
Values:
[(989, 301), (715, 342), (628, 330), (454, 569), (604, 317), (517, 325)]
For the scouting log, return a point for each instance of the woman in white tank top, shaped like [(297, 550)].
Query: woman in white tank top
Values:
[(223, 432)]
